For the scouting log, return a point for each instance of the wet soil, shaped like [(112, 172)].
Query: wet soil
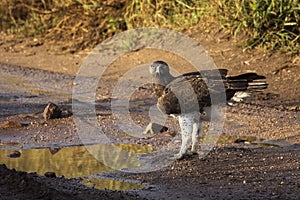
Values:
[(22, 185), (235, 170)]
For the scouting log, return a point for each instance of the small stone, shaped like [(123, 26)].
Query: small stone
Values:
[(240, 141), (15, 154), (50, 174), (51, 111), (11, 124), (54, 150)]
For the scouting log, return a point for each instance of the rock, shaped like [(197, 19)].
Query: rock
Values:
[(15, 154), (54, 150), (50, 174), (11, 124), (240, 141), (51, 111)]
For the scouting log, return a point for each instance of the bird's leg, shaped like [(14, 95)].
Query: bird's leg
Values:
[(195, 137), (197, 127), (186, 139), (186, 126)]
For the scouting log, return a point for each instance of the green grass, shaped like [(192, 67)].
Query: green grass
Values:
[(273, 24), (80, 24)]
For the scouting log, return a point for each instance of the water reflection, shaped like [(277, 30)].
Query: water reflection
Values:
[(111, 184), (75, 161)]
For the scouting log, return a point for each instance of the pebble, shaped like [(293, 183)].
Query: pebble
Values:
[(11, 124), (15, 154), (51, 111), (50, 174)]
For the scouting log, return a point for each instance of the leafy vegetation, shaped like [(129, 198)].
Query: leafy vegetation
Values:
[(79, 24), (273, 24)]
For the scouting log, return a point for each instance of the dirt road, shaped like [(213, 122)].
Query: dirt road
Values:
[(239, 167)]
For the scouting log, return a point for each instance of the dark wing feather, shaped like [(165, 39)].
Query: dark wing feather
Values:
[(184, 95), (210, 73), (250, 82), (192, 92), (213, 74), (248, 76)]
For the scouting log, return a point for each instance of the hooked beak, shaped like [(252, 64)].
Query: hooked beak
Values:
[(158, 71)]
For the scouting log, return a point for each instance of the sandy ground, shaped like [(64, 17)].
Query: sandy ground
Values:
[(232, 170)]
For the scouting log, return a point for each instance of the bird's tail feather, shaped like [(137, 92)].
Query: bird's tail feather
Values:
[(247, 82), (257, 86)]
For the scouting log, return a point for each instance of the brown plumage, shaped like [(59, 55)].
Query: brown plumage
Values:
[(202, 85), (191, 93)]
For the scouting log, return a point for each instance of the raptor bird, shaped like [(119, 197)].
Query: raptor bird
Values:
[(189, 95)]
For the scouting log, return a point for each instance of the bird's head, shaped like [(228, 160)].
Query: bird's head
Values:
[(159, 69)]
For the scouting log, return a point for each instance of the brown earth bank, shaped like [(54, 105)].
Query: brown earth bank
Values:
[(230, 171)]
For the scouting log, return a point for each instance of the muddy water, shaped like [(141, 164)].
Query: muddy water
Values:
[(101, 183), (71, 162)]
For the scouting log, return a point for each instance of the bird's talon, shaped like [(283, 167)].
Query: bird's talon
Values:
[(190, 154), (178, 156)]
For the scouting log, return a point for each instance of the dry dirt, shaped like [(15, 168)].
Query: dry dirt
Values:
[(230, 171)]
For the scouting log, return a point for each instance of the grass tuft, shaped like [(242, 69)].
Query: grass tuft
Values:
[(80, 24), (177, 14), (273, 24)]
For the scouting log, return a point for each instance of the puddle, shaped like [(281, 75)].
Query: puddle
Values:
[(72, 162), (99, 183)]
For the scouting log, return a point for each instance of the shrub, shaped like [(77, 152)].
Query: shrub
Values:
[(78, 24)]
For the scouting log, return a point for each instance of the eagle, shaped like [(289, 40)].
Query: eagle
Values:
[(189, 96)]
